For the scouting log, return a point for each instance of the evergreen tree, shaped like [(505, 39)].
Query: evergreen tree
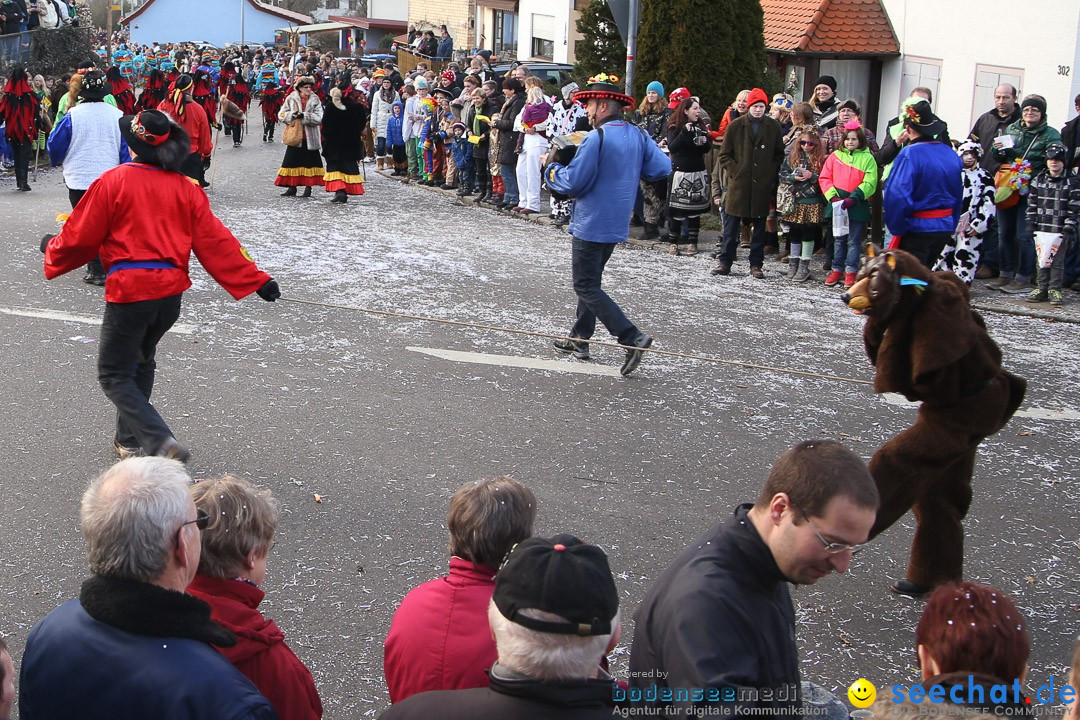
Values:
[(601, 49), (713, 47)]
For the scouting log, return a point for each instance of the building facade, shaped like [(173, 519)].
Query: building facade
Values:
[(211, 21), (963, 50)]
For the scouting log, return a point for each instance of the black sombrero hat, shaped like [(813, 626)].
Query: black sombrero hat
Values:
[(603, 87)]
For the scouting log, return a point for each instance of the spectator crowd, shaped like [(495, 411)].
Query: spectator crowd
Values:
[(168, 622)]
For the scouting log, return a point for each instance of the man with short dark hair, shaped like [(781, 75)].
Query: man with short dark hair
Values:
[(990, 125), (554, 615), (720, 618), (134, 644)]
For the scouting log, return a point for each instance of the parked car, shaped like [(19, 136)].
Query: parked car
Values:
[(554, 75)]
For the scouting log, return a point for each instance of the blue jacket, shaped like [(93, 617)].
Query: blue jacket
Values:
[(463, 150), (77, 667), (603, 179), (926, 175), (394, 126), (446, 48)]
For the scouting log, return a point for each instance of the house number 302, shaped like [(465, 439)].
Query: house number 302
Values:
[(1063, 69)]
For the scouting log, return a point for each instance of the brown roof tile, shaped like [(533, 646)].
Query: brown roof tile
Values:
[(834, 27)]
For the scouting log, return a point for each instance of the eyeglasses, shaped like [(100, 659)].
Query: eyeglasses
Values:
[(833, 548), (201, 521), (804, 143)]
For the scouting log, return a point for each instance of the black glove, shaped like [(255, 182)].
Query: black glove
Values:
[(206, 163), (270, 291), (45, 241)]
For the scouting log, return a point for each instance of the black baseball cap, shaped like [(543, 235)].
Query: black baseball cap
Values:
[(559, 575)]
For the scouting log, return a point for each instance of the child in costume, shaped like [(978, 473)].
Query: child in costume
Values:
[(961, 253)]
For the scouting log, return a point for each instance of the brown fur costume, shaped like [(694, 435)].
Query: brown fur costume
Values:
[(929, 345)]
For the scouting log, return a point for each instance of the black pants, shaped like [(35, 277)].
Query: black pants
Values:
[(22, 151), (130, 333), (193, 167), (925, 246), (268, 129), (94, 266)]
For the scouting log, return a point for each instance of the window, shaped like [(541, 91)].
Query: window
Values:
[(987, 78), (543, 37), (505, 33), (333, 4), (920, 72)]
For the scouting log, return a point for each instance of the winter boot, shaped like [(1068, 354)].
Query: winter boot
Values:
[(651, 231), (803, 273), (340, 196), (692, 238), (307, 192), (289, 192)]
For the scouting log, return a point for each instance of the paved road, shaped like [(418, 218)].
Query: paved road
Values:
[(311, 400)]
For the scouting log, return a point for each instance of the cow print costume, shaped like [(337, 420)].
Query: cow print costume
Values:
[(961, 254)]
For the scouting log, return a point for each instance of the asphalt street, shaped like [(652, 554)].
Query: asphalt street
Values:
[(363, 425)]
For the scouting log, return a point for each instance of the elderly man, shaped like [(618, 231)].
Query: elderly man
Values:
[(134, 644), (603, 178), (554, 615), (719, 623)]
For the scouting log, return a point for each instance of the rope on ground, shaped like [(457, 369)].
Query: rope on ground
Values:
[(557, 336), (1023, 312)]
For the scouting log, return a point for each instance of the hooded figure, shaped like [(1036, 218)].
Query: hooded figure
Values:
[(344, 119), (145, 224), (181, 108), (19, 110), (270, 100), (154, 91), (121, 91)]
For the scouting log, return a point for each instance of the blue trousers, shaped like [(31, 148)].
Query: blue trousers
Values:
[(587, 264)]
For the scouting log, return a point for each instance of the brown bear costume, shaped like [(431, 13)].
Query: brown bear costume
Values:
[(927, 344)]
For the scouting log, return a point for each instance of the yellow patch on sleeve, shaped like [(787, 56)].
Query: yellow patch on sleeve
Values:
[(247, 256)]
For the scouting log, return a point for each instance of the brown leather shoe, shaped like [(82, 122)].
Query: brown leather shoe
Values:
[(757, 273), (985, 273)]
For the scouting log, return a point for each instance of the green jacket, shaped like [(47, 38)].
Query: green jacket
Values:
[(853, 174), (1038, 138)]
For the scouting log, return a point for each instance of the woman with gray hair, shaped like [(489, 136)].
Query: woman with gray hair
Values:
[(235, 547)]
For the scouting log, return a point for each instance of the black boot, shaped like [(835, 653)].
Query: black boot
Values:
[(289, 192), (307, 192), (651, 231), (340, 196)]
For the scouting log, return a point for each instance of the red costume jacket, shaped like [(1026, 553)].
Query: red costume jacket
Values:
[(260, 651), (141, 213), (194, 122), (439, 637)]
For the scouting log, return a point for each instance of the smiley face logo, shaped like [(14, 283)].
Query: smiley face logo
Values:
[(862, 693)]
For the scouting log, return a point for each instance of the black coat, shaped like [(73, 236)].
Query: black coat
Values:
[(341, 131), (720, 616), (1070, 135), (686, 154), (987, 127), (505, 125), (517, 699)]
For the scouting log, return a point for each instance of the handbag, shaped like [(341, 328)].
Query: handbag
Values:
[(785, 199), (293, 135), (1011, 181)]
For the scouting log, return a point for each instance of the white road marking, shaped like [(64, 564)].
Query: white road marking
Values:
[(178, 328), (1034, 413), (583, 368)]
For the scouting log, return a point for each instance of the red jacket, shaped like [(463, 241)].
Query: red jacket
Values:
[(138, 212), (439, 637), (260, 651), (194, 122)]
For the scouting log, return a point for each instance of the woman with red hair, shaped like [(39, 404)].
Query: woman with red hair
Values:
[(972, 642), (19, 110)]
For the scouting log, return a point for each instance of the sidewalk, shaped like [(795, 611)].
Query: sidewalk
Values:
[(982, 298)]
